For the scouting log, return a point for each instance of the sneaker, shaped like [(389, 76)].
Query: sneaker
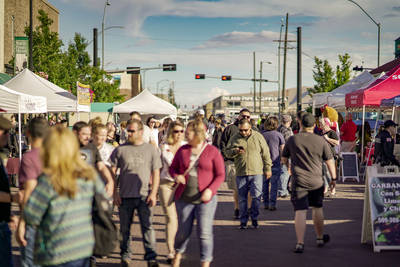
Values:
[(152, 263), (125, 262), (266, 207), (236, 214), (243, 226), (299, 248), (322, 241), (254, 223), (272, 208)]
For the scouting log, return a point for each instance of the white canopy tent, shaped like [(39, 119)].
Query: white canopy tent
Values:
[(58, 99), (146, 103), (16, 102), (336, 98)]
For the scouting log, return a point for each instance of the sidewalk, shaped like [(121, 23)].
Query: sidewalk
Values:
[(272, 244)]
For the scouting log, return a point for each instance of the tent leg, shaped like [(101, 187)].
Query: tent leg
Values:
[(362, 134), (19, 136), (393, 109)]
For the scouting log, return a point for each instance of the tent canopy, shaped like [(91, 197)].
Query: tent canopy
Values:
[(15, 102), (58, 99), (336, 98), (386, 86), (146, 103), (391, 102)]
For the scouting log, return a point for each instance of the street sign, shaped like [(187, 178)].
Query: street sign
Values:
[(169, 67)]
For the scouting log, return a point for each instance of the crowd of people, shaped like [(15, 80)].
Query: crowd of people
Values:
[(181, 165)]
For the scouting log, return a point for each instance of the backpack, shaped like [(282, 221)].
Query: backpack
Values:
[(105, 231)]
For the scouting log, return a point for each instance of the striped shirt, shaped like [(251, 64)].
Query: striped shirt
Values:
[(64, 225)]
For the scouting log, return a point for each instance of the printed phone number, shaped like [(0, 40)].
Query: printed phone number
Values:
[(388, 220)]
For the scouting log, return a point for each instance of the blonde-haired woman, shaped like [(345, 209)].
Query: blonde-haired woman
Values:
[(174, 140), (199, 170), (60, 207)]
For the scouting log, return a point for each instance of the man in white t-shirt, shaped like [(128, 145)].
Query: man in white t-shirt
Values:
[(147, 136)]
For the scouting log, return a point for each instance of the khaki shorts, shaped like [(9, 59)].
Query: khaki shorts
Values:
[(230, 175)]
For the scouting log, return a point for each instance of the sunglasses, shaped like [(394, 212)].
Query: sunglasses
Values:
[(178, 131), (245, 117), (131, 131), (244, 130)]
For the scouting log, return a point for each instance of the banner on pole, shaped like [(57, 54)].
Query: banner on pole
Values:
[(21, 53), (83, 93)]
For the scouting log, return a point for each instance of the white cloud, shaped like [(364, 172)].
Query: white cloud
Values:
[(240, 38), (216, 92)]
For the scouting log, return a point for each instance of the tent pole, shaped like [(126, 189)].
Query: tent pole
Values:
[(19, 135), (372, 142), (393, 109), (313, 107), (362, 133)]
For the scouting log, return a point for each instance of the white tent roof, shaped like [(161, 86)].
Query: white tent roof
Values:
[(15, 102), (58, 99), (336, 98), (146, 103)]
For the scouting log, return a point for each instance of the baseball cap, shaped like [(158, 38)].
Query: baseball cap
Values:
[(389, 123), (5, 124), (286, 118), (201, 112), (308, 120)]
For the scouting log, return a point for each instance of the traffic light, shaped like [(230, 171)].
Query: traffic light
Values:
[(357, 68), (133, 70), (169, 67), (226, 78), (199, 76)]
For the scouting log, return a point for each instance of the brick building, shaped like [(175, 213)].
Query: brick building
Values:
[(14, 17)]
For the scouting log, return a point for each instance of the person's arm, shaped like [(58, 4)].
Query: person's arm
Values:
[(266, 157), (331, 140), (218, 179), (231, 149), (332, 170), (152, 198), (38, 202), (8, 197), (224, 140), (29, 187), (107, 176)]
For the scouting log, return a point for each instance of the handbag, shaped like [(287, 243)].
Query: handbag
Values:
[(191, 165), (104, 229)]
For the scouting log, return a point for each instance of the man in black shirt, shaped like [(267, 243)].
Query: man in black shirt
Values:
[(384, 145), (5, 201), (308, 152)]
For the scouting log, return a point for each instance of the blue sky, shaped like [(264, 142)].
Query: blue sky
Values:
[(219, 37)]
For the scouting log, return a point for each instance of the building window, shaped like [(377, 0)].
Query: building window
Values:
[(232, 104)]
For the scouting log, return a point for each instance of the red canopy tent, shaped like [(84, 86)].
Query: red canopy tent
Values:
[(387, 86)]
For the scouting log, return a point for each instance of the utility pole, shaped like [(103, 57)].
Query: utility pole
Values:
[(94, 47), (30, 63), (259, 100), (279, 68), (284, 64), (255, 83), (299, 81)]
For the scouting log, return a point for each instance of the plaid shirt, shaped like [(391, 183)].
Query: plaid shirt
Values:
[(286, 132)]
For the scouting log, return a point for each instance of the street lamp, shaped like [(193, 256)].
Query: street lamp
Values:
[(376, 23), (158, 83), (261, 64), (108, 28), (102, 34)]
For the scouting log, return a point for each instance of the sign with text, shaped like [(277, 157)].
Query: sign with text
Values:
[(384, 197), (84, 97), (21, 53)]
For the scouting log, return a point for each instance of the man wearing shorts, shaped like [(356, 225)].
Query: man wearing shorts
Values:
[(307, 152)]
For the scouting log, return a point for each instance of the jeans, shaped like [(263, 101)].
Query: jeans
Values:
[(28, 250), (204, 215), (76, 263), (282, 191), (126, 211), (270, 196), (5, 245), (254, 184)]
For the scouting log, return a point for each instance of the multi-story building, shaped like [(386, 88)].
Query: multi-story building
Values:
[(129, 84), (14, 17), (230, 105)]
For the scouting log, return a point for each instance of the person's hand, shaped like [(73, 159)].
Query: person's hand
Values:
[(240, 151), (20, 235), (206, 195), (109, 189), (332, 185), (180, 179), (268, 175), (151, 200), (117, 199), (326, 137), (13, 223)]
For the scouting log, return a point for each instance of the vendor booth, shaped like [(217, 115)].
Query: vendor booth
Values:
[(58, 99), (16, 102), (146, 103)]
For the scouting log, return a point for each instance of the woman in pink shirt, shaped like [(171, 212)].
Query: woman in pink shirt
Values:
[(199, 170)]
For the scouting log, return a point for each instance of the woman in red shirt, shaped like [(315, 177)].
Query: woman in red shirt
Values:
[(199, 170)]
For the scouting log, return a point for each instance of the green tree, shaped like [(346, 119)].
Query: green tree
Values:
[(326, 79), (65, 68)]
